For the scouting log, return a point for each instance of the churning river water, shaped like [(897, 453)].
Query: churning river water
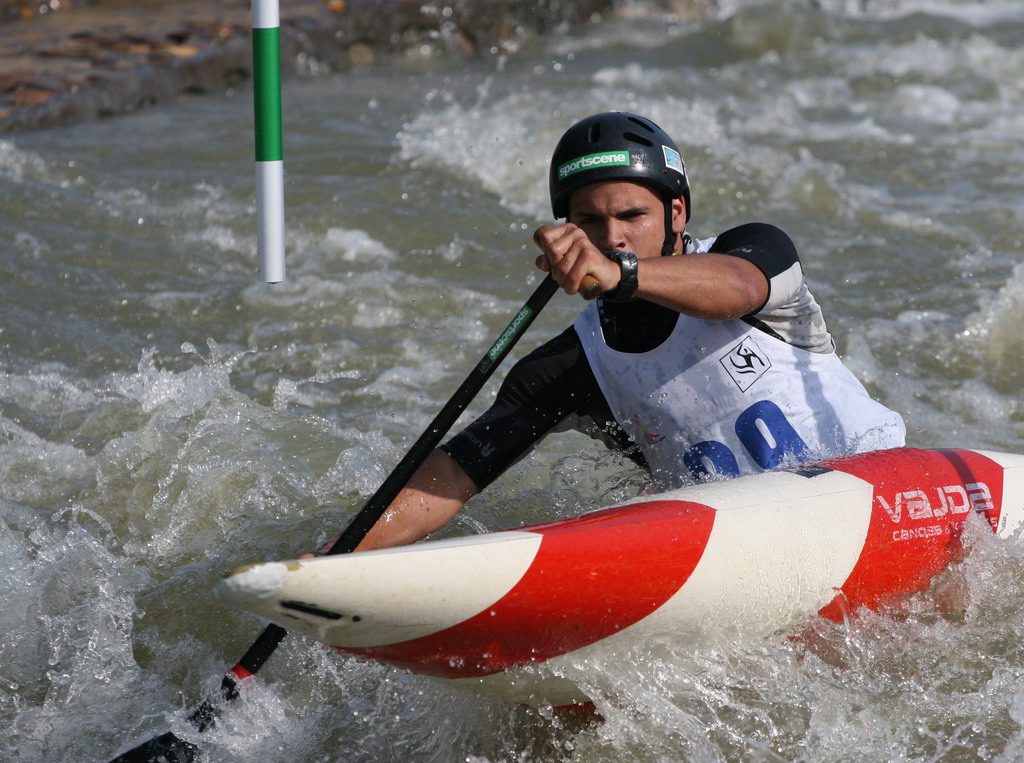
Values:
[(165, 417)]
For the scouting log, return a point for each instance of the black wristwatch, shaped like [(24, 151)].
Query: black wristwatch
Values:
[(627, 281)]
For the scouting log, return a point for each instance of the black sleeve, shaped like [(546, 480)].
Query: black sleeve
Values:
[(551, 389), (764, 245)]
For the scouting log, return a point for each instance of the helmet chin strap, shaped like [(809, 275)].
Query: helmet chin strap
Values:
[(668, 247)]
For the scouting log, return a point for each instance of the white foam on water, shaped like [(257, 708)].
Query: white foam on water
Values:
[(481, 144), (995, 329), (66, 648), (975, 12), (19, 165)]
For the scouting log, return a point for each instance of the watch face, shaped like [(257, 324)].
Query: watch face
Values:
[(618, 256)]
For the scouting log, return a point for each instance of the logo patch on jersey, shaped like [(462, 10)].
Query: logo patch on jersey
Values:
[(745, 363)]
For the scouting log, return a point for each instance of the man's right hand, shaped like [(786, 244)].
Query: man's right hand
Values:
[(573, 261)]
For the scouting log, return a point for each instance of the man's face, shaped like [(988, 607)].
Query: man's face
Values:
[(624, 216)]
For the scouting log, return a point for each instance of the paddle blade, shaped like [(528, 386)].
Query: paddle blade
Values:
[(166, 748)]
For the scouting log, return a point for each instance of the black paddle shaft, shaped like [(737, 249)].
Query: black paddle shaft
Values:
[(170, 748)]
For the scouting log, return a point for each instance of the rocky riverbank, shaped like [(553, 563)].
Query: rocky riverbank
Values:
[(72, 60)]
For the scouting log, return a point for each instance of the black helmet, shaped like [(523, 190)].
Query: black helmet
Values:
[(616, 146)]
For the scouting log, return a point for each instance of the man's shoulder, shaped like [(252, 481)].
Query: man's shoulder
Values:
[(756, 228), (755, 234)]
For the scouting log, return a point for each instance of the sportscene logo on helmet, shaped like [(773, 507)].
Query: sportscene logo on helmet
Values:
[(608, 158)]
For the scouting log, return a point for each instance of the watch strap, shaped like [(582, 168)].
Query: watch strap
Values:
[(628, 282)]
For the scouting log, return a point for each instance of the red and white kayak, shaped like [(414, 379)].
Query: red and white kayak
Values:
[(760, 553)]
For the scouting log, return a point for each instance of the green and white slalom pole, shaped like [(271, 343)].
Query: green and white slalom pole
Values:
[(266, 83)]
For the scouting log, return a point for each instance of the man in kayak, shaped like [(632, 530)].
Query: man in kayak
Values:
[(702, 358)]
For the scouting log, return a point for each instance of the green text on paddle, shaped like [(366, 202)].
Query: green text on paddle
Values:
[(523, 316)]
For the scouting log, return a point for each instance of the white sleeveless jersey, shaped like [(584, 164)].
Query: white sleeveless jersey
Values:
[(724, 398)]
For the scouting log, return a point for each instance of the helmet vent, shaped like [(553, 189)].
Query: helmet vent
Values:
[(594, 135), (641, 123), (637, 139)]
